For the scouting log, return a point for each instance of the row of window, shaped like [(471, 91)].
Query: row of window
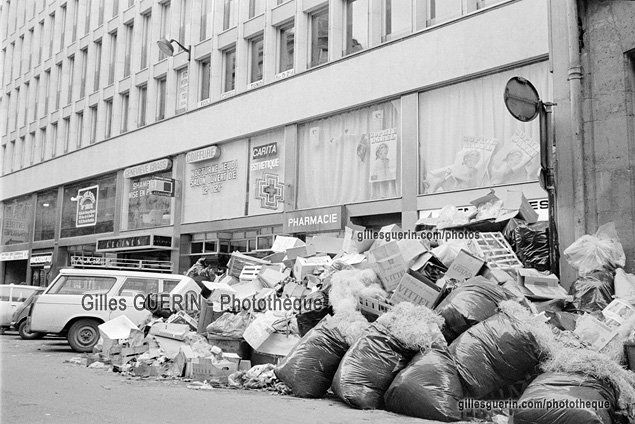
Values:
[(34, 98)]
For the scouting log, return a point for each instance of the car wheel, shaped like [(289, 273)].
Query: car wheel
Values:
[(26, 335), (83, 335)]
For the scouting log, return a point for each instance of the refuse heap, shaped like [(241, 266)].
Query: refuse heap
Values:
[(419, 327)]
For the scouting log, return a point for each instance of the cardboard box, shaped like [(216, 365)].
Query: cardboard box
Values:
[(429, 264), (411, 249), (278, 344), (213, 371), (182, 366), (247, 289), (390, 233), (239, 347), (325, 244), (149, 370), (539, 285), (259, 330), (519, 207), (293, 289), (282, 243), (305, 266), (208, 316), (466, 266), (114, 330), (300, 251), (170, 331), (416, 289), (388, 264), (275, 258), (352, 244)]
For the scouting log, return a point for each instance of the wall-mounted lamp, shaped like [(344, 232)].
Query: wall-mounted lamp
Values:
[(166, 47)]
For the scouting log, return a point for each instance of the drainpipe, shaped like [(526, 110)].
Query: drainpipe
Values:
[(577, 140)]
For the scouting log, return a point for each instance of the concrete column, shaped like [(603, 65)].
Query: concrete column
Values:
[(409, 137)]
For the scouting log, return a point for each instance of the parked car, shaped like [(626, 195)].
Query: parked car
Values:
[(79, 300), (11, 296), (18, 322)]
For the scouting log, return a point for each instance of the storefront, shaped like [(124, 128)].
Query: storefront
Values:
[(17, 222), (41, 262), (484, 146), (14, 266), (229, 191)]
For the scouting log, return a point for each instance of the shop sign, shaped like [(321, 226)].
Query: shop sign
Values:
[(211, 177), (206, 153), (80, 260), (148, 168), (134, 242), (18, 255), (41, 259), (314, 220), (87, 199), (160, 186)]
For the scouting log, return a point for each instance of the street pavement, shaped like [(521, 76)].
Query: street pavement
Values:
[(37, 386)]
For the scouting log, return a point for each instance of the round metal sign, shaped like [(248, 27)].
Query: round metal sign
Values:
[(521, 99)]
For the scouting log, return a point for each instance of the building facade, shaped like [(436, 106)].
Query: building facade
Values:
[(594, 88), (271, 117)]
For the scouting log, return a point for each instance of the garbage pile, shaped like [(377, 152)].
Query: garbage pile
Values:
[(421, 327)]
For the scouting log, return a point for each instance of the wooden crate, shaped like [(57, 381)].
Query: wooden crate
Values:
[(249, 273), (495, 250)]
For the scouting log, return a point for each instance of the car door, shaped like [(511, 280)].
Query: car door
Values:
[(131, 296)]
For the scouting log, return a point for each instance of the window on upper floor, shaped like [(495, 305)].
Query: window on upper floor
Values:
[(108, 122), (143, 104), (286, 47), (397, 18), (161, 95), (93, 124), (205, 79), (113, 58), (146, 33), (125, 111), (182, 89), (230, 14), (98, 49), (128, 51), (256, 7), (229, 65), (357, 32), (165, 26), (319, 41), (256, 58)]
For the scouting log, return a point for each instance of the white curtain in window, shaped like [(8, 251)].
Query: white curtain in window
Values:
[(469, 139), (339, 157)]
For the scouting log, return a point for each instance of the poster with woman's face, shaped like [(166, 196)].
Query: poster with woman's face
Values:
[(383, 155)]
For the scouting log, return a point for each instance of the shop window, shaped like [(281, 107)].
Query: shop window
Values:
[(45, 216), (468, 139), (143, 209), (78, 217), (286, 47), (256, 57), (397, 18), (350, 157), (319, 42), (357, 14), (16, 222)]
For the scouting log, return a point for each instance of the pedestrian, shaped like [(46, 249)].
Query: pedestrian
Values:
[(196, 269)]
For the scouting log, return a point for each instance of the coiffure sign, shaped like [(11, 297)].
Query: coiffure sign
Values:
[(206, 153)]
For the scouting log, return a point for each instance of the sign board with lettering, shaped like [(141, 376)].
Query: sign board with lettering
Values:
[(134, 243), (314, 220), (148, 168), (87, 205), (42, 259), (215, 185), (267, 190), (18, 255), (16, 221)]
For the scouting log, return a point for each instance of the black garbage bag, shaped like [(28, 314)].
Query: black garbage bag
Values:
[(562, 320), (494, 354), (472, 302), (368, 368), (429, 387), (530, 242), (562, 398), (591, 293), (310, 366)]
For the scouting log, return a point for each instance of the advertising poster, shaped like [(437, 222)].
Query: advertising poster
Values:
[(16, 226), (470, 168), (511, 163), (87, 203), (266, 174), (383, 155), (215, 186), (144, 208)]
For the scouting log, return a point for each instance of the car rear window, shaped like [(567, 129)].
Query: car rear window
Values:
[(71, 284), (139, 286)]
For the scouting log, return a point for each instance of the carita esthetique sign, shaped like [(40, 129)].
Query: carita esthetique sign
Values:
[(314, 220)]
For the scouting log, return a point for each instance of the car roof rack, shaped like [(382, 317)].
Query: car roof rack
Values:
[(148, 265)]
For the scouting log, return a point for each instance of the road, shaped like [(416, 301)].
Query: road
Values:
[(39, 387)]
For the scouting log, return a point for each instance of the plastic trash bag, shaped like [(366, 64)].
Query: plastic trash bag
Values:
[(230, 324), (591, 293), (530, 243), (429, 387), (624, 286), (308, 320), (368, 368), (494, 354), (472, 302), (600, 251), (310, 366), (570, 388)]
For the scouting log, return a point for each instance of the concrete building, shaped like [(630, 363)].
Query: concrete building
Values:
[(594, 88), (361, 112)]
